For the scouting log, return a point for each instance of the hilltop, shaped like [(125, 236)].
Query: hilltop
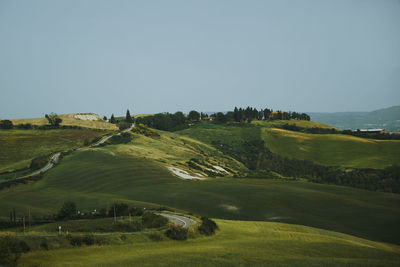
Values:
[(86, 120)]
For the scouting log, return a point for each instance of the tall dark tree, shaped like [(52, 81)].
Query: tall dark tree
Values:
[(128, 117), (236, 115), (112, 119)]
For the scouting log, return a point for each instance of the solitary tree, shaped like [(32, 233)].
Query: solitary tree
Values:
[(105, 118), (112, 119), (53, 119), (128, 117)]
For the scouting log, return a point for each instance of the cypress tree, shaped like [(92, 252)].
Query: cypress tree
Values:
[(128, 117)]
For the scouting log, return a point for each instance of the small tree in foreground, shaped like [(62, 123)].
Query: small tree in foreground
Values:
[(207, 226)]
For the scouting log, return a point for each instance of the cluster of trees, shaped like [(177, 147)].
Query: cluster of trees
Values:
[(167, 121), (128, 118), (249, 114), (6, 124)]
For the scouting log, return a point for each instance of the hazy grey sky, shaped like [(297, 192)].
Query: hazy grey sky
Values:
[(154, 56)]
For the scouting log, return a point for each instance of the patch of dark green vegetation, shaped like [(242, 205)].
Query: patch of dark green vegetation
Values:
[(207, 227), (11, 249), (152, 220), (88, 240), (122, 138), (176, 232)]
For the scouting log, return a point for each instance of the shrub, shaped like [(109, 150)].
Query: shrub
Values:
[(44, 245), (123, 125), (11, 249), (176, 232), (88, 240), (207, 226), (39, 162), (151, 220), (156, 236), (123, 138)]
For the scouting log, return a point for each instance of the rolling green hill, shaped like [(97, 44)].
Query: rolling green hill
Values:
[(333, 149), (96, 178), (325, 149), (19, 147), (238, 243)]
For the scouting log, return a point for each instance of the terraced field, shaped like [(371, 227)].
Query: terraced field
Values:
[(96, 178)]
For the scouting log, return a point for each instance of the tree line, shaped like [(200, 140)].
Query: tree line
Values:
[(256, 156), (358, 133)]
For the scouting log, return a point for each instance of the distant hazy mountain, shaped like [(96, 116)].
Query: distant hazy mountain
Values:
[(387, 118)]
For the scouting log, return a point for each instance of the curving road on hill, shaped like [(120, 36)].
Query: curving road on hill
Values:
[(178, 219), (55, 157)]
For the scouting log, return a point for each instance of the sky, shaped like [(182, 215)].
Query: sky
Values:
[(164, 56)]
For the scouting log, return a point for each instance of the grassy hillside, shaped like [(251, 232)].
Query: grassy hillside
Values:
[(70, 120), (19, 147), (325, 149), (237, 243), (333, 149), (95, 178)]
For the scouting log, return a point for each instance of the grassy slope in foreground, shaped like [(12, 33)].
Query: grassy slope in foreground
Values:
[(70, 120), (333, 149), (237, 243), (99, 177), (19, 147)]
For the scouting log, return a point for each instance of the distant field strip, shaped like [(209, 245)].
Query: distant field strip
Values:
[(333, 149)]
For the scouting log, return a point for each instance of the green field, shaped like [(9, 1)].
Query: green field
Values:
[(238, 243), (333, 149), (98, 177), (325, 149), (19, 147)]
